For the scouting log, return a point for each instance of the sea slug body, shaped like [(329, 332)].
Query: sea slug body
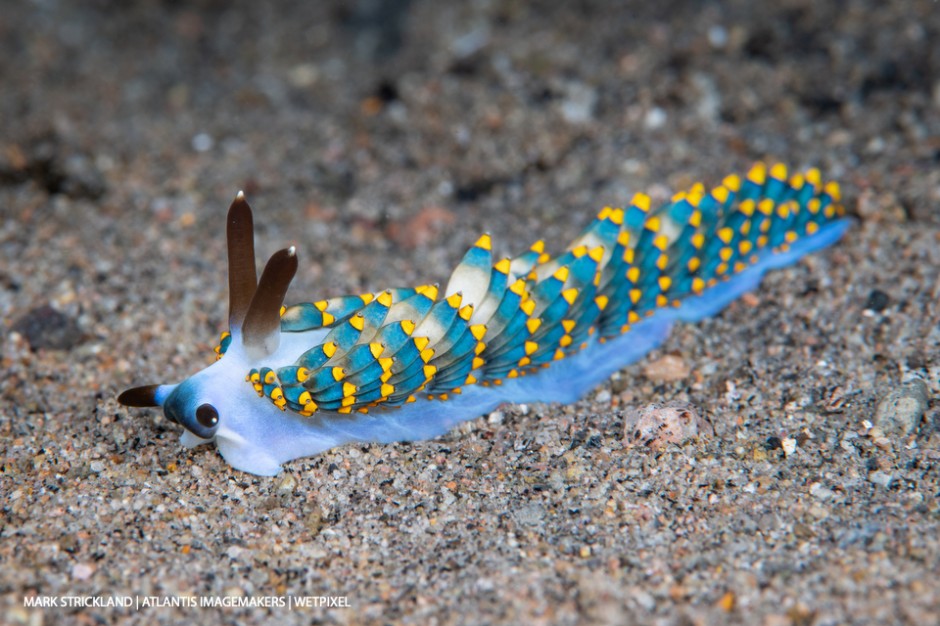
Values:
[(407, 364)]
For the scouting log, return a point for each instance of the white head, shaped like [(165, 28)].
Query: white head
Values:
[(209, 404)]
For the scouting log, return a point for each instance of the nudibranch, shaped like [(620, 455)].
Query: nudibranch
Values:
[(408, 364)]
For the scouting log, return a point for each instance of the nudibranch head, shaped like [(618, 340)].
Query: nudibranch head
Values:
[(199, 403)]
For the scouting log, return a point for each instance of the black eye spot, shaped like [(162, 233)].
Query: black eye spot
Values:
[(207, 416)]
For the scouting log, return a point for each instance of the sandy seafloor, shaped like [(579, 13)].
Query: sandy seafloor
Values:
[(381, 138)]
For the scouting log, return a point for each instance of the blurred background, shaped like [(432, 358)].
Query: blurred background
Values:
[(399, 123)]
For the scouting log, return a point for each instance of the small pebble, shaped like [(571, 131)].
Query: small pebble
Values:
[(530, 515), (202, 142), (314, 522), (303, 75), (48, 329), (422, 228), (666, 369), (81, 177), (657, 426), (789, 445), (234, 552), (286, 484), (881, 478), (717, 36), (902, 409), (877, 301), (643, 598), (655, 118), (82, 571), (579, 103), (727, 602), (818, 490), (19, 615), (818, 512)]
